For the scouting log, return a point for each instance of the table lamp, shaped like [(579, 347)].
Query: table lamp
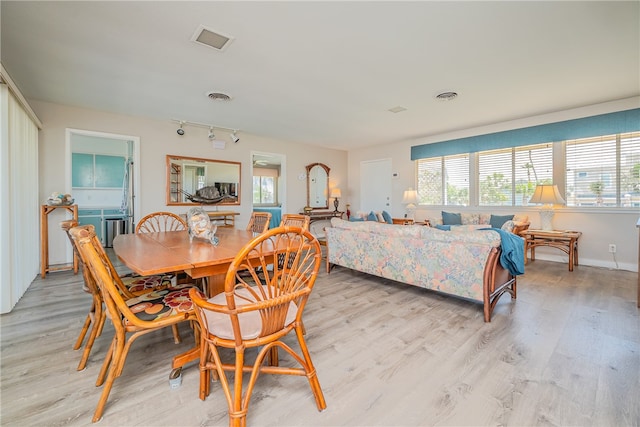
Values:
[(336, 194), (410, 198), (547, 195)]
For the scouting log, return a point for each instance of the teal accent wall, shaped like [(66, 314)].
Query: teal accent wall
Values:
[(604, 124)]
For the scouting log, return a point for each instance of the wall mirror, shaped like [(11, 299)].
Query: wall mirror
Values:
[(318, 186), (191, 180)]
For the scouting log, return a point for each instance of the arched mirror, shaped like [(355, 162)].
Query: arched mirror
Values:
[(318, 186)]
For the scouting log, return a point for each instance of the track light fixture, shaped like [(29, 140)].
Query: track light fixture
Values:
[(211, 135), (234, 137)]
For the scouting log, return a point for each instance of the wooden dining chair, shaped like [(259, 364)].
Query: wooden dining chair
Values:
[(96, 317), (160, 221), (132, 317), (259, 309), (164, 221), (259, 222), (133, 284), (296, 220)]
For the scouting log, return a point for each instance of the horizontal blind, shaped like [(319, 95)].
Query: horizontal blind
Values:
[(430, 181), (495, 177), (533, 165), (509, 176), (456, 172), (444, 180), (591, 171), (630, 170)]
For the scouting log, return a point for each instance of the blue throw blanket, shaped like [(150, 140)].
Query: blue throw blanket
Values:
[(512, 257)]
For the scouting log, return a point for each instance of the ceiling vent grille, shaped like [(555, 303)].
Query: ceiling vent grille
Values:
[(211, 38)]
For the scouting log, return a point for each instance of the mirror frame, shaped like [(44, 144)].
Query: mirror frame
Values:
[(209, 163), (326, 169)]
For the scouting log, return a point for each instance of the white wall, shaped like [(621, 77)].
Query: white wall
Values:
[(159, 138), (599, 228)]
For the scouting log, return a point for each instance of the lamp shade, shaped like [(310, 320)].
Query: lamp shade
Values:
[(336, 193), (547, 194), (410, 197)]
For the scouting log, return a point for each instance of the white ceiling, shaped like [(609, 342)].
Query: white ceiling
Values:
[(326, 73)]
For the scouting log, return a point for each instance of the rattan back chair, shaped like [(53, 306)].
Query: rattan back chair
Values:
[(296, 220), (161, 221), (262, 303), (127, 312), (259, 222), (96, 317)]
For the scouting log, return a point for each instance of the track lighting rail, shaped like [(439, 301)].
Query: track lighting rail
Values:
[(204, 125)]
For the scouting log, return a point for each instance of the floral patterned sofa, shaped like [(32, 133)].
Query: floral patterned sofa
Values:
[(464, 263), (514, 223)]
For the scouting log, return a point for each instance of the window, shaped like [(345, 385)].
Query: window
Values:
[(508, 177), (444, 180), (603, 171), (264, 190)]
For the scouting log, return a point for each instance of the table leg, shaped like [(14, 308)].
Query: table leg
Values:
[(215, 284)]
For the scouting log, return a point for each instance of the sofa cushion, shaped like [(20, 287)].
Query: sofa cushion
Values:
[(469, 218), (372, 216), (449, 218), (508, 226), (356, 218), (387, 217), (497, 221)]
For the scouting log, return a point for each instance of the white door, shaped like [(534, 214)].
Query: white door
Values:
[(375, 185)]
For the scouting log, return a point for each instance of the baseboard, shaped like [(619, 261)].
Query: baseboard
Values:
[(590, 262)]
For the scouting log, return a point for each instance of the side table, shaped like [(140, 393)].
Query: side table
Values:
[(45, 210), (566, 241)]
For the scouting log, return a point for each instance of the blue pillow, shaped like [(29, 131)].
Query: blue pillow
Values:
[(449, 218), (497, 221), (372, 216), (443, 227), (387, 217), (356, 219)]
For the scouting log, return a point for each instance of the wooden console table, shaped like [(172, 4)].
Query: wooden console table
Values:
[(322, 215), (45, 210), (226, 217), (566, 241)]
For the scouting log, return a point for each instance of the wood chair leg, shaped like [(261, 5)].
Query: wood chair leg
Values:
[(176, 334), (84, 330), (113, 374), (105, 365)]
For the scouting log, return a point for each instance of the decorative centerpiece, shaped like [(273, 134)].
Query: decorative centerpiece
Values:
[(60, 199), (200, 226)]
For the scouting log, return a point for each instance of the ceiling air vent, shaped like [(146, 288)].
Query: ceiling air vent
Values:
[(211, 38)]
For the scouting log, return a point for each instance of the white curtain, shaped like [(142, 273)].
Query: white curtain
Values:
[(19, 214)]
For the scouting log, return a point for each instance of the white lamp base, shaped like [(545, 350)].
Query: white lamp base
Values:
[(546, 219), (411, 210)]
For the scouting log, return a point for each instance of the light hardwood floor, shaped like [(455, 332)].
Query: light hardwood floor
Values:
[(566, 352)]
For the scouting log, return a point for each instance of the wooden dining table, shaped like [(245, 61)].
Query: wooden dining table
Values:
[(170, 251)]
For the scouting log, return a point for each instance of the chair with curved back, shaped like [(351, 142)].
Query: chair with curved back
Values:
[(160, 221), (133, 284), (296, 220), (259, 222), (129, 314), (96, 316), (257, 310)]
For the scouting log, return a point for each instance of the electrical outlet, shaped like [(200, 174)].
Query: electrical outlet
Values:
[(612, 248)]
